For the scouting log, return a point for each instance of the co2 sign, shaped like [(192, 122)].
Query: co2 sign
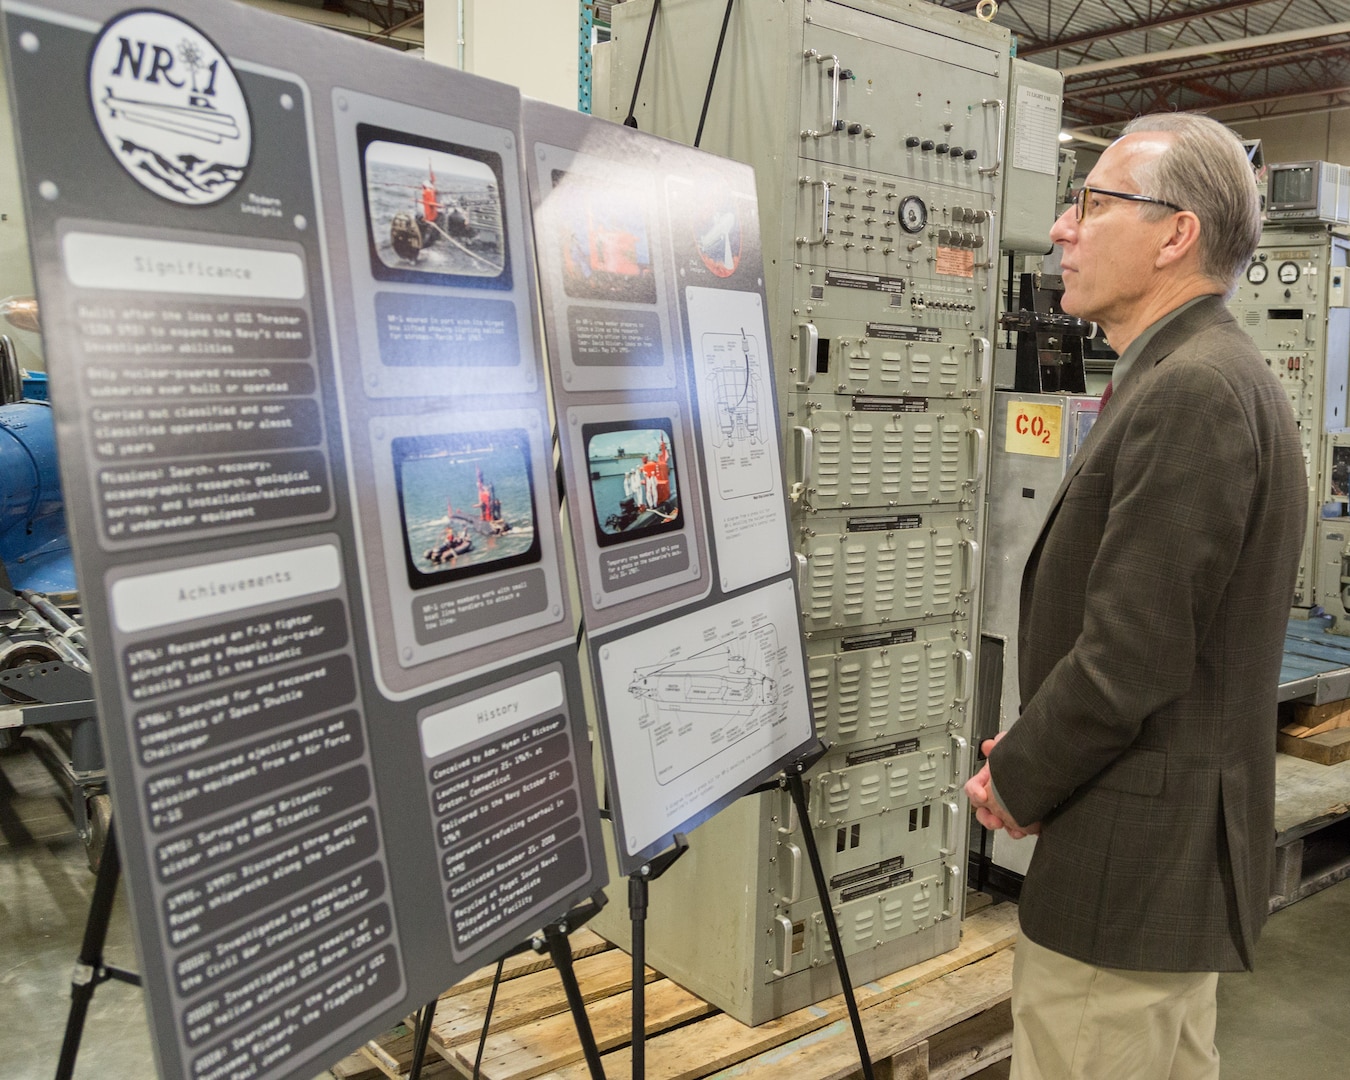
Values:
[(1034, 428)]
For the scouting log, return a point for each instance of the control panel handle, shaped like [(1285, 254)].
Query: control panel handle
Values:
[(992, 170), (824, 214), (801, 576), (986, 369), (970, 563), (794, 890), (783, 960), (966, 659), (804, 460), (979, 457), (952, 890), (951, 812), (959, 746), (808, 342), (834, 94)]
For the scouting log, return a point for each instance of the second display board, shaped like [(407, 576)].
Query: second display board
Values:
[(652, 281)]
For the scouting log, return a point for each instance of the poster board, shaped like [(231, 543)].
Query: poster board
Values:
[(651, 277), (287, 291)]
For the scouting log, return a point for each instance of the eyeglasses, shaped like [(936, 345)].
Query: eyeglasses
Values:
[(1080, 199)]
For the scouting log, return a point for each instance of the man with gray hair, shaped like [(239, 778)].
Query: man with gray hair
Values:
[(1153, 612)]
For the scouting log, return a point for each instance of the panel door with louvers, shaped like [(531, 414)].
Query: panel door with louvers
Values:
[(919, 453), (906, 680), (869, 571)]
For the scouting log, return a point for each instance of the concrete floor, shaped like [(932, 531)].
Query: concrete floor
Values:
[(1285, 1022)]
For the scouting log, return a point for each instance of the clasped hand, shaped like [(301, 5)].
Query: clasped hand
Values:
[(988, 811)]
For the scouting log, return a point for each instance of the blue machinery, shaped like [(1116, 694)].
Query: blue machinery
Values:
[(45, 687), (34, 548)]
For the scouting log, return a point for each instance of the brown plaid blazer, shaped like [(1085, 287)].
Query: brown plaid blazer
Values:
[(1153, 613)]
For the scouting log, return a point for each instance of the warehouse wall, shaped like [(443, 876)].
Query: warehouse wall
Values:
[(1315, 137), (541, 60)]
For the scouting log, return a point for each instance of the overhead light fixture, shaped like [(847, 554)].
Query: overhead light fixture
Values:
[(1064, 136)]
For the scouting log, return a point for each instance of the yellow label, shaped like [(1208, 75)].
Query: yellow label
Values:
[(1034, 428)]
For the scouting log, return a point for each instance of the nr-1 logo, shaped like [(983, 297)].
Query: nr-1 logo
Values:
[(170, 107)]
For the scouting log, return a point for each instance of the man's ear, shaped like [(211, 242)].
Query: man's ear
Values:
[(1181, 242)]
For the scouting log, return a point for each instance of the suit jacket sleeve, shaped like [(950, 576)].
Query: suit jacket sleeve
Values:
[(1170, 508)]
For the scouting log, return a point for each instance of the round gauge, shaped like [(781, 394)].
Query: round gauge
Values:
[(1288, 273), (1257, 273), (913, 214)]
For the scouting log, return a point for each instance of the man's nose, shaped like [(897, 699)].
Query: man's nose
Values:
[(1064, 226)]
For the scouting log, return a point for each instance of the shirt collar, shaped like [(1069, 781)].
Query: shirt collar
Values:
[(1122, 367)]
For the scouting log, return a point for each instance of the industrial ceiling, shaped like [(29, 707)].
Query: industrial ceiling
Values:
[(395, 23), (1232, 59)]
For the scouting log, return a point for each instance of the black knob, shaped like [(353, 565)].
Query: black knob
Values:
[(912, 141), (971, 155), (927, 144), (942, 148), (956, 151), (855, 129)]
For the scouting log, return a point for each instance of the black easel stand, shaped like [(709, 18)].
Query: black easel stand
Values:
[(90, 970), (637, 909), (793, 780), (553, 938), (421, 1037)]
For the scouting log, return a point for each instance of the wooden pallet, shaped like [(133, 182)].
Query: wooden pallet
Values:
[(1312, 812), (943, 1019), (1325, 747)]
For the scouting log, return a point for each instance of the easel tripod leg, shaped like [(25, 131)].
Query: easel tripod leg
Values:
[(638, 883), (637, 908), (421, 1037), (87, 968), (798, 790), (560, 949)]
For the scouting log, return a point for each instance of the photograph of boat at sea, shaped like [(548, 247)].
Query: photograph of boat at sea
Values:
[(467, 504), (434, 211), (634, 491)]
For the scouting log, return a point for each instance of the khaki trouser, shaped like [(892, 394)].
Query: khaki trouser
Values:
[(1076, 1021)]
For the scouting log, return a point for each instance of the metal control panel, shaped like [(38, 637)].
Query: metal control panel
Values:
[(884, 136), (1292, 301), (1035, 437)]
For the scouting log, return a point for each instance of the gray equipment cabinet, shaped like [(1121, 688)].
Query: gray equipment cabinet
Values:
[(880, 138), (1034, 440), (1292, 300)]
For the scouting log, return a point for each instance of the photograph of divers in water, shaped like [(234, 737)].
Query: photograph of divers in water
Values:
[(467, 504)]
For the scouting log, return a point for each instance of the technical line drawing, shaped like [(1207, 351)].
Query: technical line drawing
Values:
[(694, 708), (734, 382)]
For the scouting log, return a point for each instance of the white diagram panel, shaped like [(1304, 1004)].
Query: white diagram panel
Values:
[(740, 437), (699, 705)]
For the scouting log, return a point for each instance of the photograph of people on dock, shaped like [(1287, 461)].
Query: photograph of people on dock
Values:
[(633, 479)]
